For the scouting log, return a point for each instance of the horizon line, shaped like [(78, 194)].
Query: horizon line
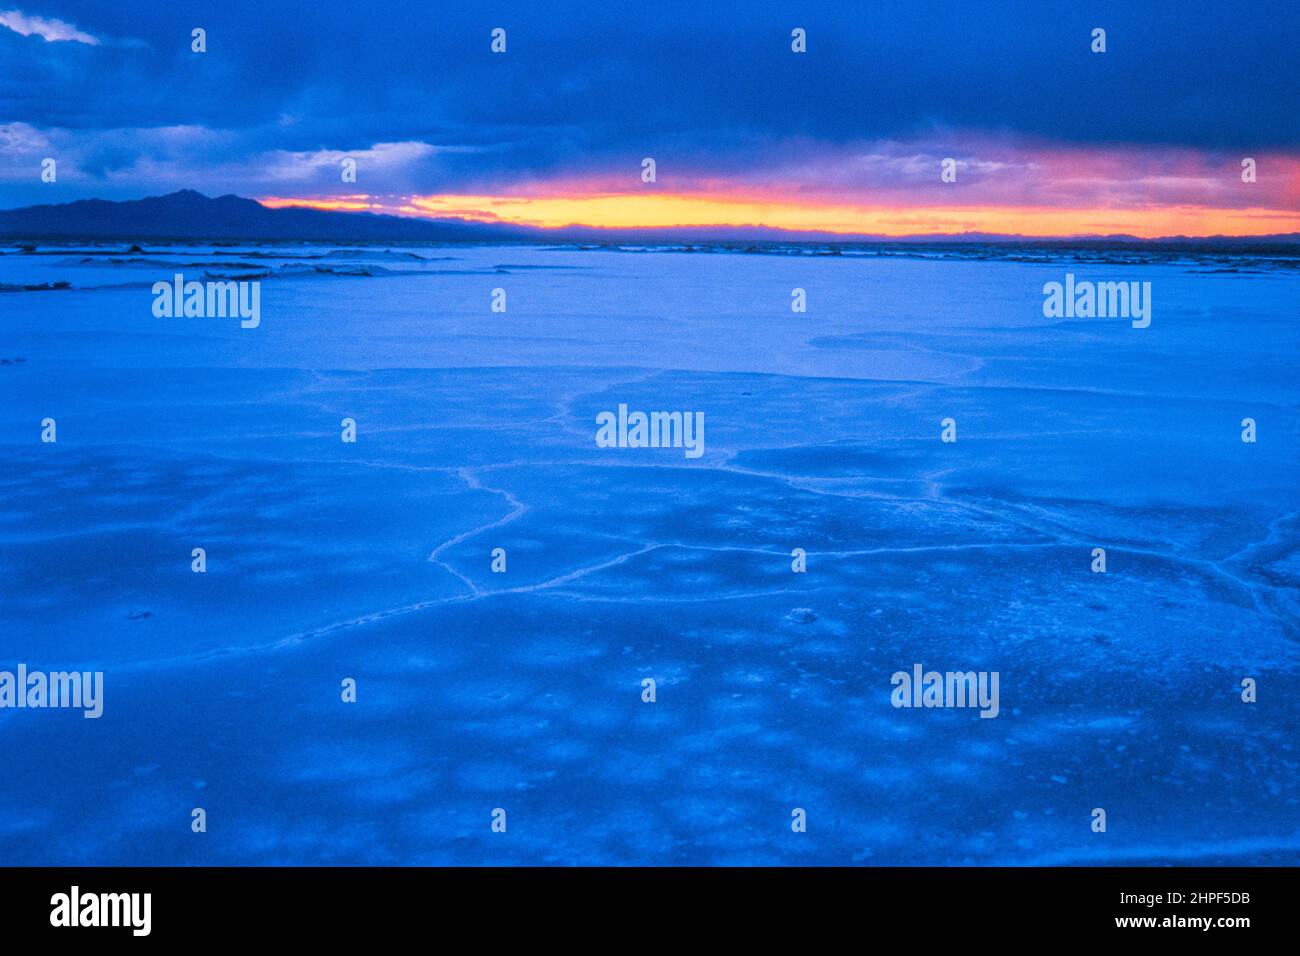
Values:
[(420, 211)]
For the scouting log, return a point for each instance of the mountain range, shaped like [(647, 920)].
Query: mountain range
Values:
[(191, 215)]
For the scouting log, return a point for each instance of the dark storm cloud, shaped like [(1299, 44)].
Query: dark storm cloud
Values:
[(585, 84)]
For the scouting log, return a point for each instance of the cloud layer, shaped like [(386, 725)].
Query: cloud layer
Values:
[(49, 30), (849, 132)]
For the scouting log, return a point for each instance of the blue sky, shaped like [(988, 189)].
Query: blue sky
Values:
[(712, 91)]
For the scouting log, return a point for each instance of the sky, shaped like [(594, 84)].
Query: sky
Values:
[(1048, 137)]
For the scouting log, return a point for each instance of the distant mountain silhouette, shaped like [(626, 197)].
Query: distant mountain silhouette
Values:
[(191, 215)]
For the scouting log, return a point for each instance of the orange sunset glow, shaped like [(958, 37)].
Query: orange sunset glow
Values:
[(1024, 187), (661, 209)]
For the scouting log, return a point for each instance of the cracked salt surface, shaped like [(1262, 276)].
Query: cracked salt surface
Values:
[(523, 689)]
